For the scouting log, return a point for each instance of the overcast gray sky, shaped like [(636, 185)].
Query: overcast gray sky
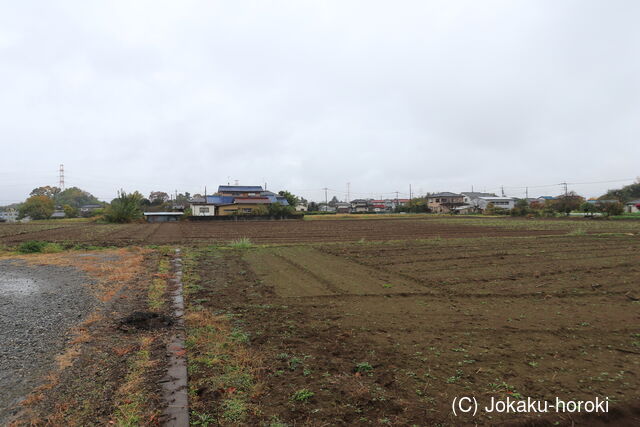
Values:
[(443, 95)]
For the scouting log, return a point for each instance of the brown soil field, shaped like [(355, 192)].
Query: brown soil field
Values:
[(389, 333), (290, 231)]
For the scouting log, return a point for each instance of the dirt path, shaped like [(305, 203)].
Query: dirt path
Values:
[(38, 305)]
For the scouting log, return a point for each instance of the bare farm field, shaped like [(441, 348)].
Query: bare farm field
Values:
[(296, 231), (350, 322), (389, 333)]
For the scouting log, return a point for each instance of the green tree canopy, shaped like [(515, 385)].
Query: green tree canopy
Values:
[(37, 207), (624, 194), (75, 197), (291, 198), (47, 191)]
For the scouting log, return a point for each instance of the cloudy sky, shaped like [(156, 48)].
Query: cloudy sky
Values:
[(443, 95)]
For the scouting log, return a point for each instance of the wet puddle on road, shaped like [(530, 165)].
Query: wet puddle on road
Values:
[(17, 285)]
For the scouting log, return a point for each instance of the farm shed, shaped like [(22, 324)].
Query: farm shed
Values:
[(162, 216)]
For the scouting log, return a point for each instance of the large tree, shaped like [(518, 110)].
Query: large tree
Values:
[(75, 197), (46, 190), (37, 207), (291, 198), (567, 203), (158, 197), (624, 194)]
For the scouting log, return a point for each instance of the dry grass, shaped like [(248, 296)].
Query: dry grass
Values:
[(131, 398), (221, 362)]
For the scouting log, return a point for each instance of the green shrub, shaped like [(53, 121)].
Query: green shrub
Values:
[(124, 208), (31, 246), (242, 243)]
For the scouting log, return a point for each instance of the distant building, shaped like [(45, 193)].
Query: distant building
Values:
[(470, 196), (444, 202), (301, 208), (498, 202), (343, 207), (162, 216), (235, 200), (87, 210), (359, 206), (10, 215), (632, 207), (58, 215)]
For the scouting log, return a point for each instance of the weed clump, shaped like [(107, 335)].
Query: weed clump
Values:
[(242, 243), (32, 246), (302, 395)]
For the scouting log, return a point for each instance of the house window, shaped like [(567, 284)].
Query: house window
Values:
[(246, 210), (203, 210)]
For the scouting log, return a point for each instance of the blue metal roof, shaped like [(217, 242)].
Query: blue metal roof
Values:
[(240, 188), (220, 200)]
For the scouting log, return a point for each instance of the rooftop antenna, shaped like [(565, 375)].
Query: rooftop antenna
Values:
[(61, 182)]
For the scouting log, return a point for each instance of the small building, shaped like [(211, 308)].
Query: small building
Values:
[(87, 210), (58, 215), (632, 207), (359, 206), (343, 207), (162, 216), (469, 197), (9, 215), (444, 202), (301, 208), (498, 202)]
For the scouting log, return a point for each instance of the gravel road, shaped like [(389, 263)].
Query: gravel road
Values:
[(38, 305)]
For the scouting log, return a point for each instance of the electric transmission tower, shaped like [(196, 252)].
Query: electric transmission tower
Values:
[(61, 180)]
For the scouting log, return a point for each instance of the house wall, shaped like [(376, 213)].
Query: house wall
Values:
[(631, 209), (435, 203), (196, 210), (240, 209), (504, 204), (162, 218)]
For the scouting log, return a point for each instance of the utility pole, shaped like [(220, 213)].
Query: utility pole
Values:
[(527, 192), (410, 196), (348, 192), (61, 183), (326, 200), (566, 192), (502, 190)]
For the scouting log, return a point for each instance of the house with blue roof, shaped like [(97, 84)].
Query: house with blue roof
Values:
[(236, 200)]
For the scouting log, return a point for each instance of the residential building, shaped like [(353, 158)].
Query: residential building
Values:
[(235, 200), (10, 215), (359, 206), (633, 206), (444, 202), (498, 202), (343, 207), (469, 197)]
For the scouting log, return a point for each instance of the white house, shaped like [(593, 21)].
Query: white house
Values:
[(498, 202), (632, 207)]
